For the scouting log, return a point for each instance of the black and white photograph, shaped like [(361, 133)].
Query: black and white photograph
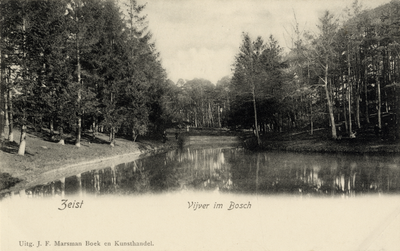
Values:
[(200, 125)]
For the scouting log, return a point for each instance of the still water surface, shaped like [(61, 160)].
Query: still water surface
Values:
[(236, 171)]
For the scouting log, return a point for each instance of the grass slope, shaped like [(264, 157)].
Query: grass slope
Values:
[(44, 154)]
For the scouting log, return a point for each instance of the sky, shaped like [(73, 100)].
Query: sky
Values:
[(200, 38)]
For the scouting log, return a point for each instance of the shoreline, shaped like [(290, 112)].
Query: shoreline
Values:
[(46, 161), (321, 142), (81, 167), (41, 163), (331, 147)]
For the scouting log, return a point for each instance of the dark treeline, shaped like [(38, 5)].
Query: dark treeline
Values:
[(345, 77), (199, 103), (73, 65)]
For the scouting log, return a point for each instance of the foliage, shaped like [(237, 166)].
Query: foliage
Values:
[(80, 60)]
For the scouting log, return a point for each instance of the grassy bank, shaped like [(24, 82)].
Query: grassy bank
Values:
[(320, 141), (44, 154)]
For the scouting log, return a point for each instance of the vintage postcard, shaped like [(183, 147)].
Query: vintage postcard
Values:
[(199, 125)]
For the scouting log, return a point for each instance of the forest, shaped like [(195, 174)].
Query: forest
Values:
[(74, 65), (81, 66), (345, 76)]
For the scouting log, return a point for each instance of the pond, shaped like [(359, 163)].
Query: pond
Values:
[(236, 171), (220, 198)]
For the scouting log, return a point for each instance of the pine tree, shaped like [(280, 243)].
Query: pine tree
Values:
[(84, 18), (247, 71)]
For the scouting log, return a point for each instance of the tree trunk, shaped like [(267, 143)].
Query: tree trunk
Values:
[(134, 135), (311, 100), (366, 94), (112, 137), (2, 94), (22, 144), (358, 87), (51, 127), (219, 117), (78, 132), (349, 81), (378, 91), (195, 117), (311, 119), (397, 97), (61, 142), (330, 106), (202, 113), (397, 100), (10, 117), (350, 123), (378, 87), (255, 116), (78, 72), (344, 94), (211, 119), (358, 107), (94, 128), (6, 120)]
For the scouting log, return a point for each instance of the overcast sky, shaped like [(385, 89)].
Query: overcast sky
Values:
[(199, 38)]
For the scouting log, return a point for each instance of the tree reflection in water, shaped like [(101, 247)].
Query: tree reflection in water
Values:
[(235, 171)]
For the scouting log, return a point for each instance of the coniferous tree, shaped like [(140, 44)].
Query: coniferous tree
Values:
[(247, 73)]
